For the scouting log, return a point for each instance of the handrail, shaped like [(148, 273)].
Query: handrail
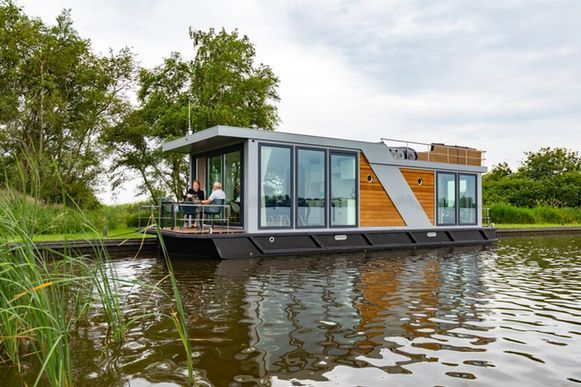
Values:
[(451, 154), (226, 208)]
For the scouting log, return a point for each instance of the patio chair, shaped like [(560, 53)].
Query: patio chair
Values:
[(214, 211), (188, 212)]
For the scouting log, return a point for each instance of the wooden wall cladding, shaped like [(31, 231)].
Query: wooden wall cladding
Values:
[(376, 207), (424, 192)]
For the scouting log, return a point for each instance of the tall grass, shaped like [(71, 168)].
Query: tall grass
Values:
[(506, 213), (44, 298)]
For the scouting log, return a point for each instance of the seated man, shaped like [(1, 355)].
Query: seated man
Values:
[(216, 197), (217, 193)]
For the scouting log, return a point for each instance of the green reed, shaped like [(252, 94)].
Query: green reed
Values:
[(43, 297), (179, 316)]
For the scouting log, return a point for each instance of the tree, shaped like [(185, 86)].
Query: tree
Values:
[(56, 98), (546, 177), (498, 172), (549, 162), (224, 87)]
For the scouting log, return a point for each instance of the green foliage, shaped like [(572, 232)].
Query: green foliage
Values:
[(550, 177), (56, 97), (222, 84), (59, 219), (548, 163), (506, 213)]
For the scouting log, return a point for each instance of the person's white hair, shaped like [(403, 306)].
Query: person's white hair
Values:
[(217, 185)]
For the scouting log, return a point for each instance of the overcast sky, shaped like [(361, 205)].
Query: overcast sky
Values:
[(504, 76)]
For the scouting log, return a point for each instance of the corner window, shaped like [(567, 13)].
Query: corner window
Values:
[(467, 199), (343, 189), (446, 198), (311, 188), (275, 186)]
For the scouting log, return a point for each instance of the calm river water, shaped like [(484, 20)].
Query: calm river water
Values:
[(503, 315)]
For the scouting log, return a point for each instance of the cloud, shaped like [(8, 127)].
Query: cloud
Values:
[(502, 76)]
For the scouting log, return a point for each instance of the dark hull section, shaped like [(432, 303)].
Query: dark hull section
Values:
[(241, 245)]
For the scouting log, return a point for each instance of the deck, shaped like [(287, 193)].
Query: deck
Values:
[(206, 230)]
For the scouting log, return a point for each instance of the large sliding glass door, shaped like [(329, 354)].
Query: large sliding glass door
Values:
[(343, 189), (226, 167), (275, 206), (311, 185), (456, 199), (307, 187), (467, 199), (446, 198)]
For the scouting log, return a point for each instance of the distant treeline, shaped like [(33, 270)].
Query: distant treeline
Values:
[(545, 188), (549, 177)]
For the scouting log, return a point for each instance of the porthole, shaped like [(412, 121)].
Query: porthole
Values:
[(370, 178), (420, 181)]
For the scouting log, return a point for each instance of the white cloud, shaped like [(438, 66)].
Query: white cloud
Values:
[(502, 76)]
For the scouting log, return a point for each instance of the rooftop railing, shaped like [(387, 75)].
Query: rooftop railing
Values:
[(434, 152)]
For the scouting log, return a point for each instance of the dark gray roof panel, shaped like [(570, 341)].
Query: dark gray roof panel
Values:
[(220, 136)]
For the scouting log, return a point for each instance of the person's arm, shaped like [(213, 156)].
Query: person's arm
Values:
[(210, 199)]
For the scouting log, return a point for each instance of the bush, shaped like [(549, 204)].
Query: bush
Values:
[(505, 213), (508, 214)]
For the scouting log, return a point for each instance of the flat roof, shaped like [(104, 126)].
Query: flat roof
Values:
[(220, 136)]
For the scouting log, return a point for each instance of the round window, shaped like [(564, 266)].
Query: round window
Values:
[(420, 181), (369, 178)]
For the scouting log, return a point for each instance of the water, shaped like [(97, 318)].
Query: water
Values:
[(503, 315)]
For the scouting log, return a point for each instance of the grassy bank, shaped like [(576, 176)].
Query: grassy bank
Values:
[(56, 220), (503, 215), (536, 225), (118, 233)]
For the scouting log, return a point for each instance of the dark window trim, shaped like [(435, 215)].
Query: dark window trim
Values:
[(292, 209), (330, 174), (325, 152), (458, 198), (438, 173)]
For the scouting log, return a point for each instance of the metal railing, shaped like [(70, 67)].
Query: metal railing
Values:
[(486, 217), (434, 152), (171, 214)]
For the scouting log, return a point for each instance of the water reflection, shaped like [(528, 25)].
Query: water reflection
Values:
[(506, 315)]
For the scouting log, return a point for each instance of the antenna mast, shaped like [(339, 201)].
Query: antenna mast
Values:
[(189, 117)]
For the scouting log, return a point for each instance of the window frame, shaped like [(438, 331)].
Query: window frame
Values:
[(355, 154), (438, 173), (222, 153), (326, 174), (458, 220), (292, 193)]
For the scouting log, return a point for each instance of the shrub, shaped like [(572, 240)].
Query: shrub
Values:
[(505, 213)]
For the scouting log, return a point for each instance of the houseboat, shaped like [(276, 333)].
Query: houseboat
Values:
[(294, 194)]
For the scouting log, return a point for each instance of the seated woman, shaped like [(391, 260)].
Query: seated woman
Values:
[(194, 195)]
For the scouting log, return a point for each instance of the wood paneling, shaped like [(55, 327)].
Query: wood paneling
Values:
[(376, 207), (452, 154), (424, 192)]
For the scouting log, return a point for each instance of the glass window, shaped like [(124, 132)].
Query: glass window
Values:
[(231, 184), (343, 189), (467, 199), (446, 198), (214, 172), (275, 186), (311, 188)]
